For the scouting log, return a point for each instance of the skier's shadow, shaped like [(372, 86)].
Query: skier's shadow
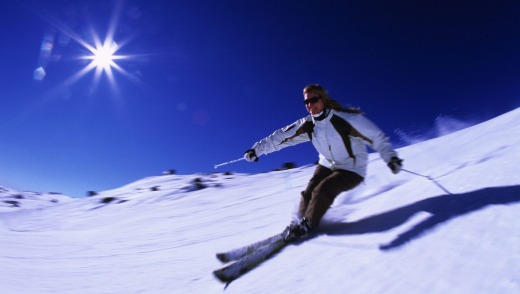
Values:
[(443, 208)]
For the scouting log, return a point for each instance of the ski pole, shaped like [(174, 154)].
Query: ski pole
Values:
[(232, 161), (429, 178)]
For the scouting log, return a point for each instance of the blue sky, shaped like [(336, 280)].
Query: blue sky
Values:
[(202, 81)]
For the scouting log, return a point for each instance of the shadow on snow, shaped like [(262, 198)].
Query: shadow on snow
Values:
[(443, 208)]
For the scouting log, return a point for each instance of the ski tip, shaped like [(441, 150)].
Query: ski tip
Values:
[(221, 277), (222, 257)]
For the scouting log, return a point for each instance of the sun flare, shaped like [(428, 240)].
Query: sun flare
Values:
[(103, 57)]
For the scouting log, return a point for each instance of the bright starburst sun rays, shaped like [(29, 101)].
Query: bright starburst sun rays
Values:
[(102, 56), (103, 60)]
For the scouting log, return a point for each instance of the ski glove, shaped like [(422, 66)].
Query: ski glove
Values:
[(395, 164), (250, 155)]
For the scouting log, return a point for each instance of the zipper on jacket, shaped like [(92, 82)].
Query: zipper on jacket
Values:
[(333, 161)]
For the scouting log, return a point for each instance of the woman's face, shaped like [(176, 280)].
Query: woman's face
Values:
[(313, 103)]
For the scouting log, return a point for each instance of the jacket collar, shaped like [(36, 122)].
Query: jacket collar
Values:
[(322, 116)]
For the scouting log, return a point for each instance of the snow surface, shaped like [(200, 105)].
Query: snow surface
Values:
[(454, 228)]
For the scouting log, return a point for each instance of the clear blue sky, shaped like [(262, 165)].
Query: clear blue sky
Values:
[(204, 80)]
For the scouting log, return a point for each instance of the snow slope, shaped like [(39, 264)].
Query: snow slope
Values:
[(449, 224)]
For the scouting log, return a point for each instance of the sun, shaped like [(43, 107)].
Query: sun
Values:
[(103, 60), (103, 56), (100, 54)]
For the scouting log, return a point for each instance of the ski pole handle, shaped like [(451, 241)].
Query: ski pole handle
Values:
[(232, 161)]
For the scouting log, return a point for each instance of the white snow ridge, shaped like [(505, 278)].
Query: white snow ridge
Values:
[(449, 224)]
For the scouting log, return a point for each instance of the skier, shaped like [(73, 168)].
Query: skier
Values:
[(339, 135)]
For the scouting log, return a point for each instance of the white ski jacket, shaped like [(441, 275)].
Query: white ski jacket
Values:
[(340, 139)]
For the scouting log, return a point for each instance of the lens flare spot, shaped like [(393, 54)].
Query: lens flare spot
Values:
[(39, 74)]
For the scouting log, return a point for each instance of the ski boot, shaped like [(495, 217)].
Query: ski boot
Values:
[(294, 231)]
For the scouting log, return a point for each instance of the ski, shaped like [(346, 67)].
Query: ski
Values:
[(249, 261), (238, 253)]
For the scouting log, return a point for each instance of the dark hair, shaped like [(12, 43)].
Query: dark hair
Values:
[(327, 100)]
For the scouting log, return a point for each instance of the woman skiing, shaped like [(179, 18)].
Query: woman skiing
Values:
[(340, 136)]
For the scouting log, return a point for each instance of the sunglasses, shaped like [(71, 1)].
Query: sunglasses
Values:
[(312, 100)]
